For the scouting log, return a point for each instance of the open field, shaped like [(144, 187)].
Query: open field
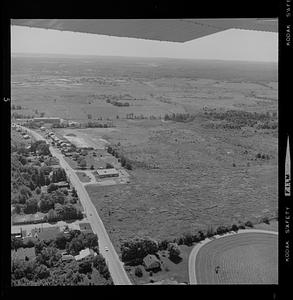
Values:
[(48, 84), (246, 258), (186, 176), (90, 137), (194, 183)]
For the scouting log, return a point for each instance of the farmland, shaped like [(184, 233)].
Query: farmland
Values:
[(186, 175)]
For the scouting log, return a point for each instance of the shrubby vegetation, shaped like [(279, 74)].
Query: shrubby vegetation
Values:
[(16, 107), (40, 148), (94, 124), (135, 250), (49, 269), (236, 119), (125, 162), (117, 103), (179, 117)]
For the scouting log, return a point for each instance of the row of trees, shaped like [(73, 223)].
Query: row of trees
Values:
[(133, 251), (179, 117), (64, 212), (125, 162), (16, 107), (262, 156), (93, 124), (117, 103), (15, 115), (188, 238)]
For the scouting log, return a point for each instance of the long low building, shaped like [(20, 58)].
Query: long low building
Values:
[(47, 120), (104, 173)]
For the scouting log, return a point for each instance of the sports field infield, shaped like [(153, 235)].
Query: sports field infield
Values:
[(246, 258)]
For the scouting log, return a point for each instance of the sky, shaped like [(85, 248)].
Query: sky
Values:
[(232, 44)]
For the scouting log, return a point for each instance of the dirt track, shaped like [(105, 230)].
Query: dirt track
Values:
[(247, 258)]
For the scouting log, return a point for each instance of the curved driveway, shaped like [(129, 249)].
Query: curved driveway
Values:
[(115, 266), (195, 250)]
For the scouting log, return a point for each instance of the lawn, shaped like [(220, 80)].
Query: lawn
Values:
[(169, 270), (83, 177)]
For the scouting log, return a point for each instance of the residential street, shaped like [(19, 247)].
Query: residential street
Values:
[(115, 266)]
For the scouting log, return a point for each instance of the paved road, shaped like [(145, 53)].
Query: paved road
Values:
[(115, 266), (197, 247)]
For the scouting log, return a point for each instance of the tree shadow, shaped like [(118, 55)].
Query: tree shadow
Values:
[(176, 259)]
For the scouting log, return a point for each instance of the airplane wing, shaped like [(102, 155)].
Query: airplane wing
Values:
[(173, 30)]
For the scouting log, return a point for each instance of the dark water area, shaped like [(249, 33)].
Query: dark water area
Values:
[(152, 68)]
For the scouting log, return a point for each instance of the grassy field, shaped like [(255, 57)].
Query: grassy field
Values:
[(186, 176), (248, 258), (194, 183), (83, 177)]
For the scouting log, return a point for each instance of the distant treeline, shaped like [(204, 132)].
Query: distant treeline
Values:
[(179, 117), (117, 103), (21, 116), (93, 124), (16, 107), (236, 119)]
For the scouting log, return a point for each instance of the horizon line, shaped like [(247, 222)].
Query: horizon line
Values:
[(148, 57)]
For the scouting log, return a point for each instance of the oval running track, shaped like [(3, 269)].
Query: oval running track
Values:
[(247, 257)]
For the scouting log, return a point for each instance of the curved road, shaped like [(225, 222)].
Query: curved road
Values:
[(195, 250), (115, 266)]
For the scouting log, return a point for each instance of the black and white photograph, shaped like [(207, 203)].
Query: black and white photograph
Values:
[(145, 151)]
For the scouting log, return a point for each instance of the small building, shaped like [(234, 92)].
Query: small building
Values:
[(151, 262), (23, 254), (16, 232), (67, 257), (62, 184), (105, 173), (49, 120), (84, 253)]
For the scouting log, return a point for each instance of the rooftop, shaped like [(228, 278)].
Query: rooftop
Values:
[(84, 253), (107, 171), (150, 259)]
